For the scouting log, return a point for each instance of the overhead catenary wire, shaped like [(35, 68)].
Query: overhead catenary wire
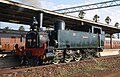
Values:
[(100, 5)]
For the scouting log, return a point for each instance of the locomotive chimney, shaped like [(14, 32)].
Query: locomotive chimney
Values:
[(34, 24)]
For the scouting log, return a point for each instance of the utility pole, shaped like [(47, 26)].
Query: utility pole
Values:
[(118, 36)]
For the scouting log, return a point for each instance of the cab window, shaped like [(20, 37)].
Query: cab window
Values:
[(31, 41)]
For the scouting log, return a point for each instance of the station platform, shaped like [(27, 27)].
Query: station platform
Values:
[(108, 52)]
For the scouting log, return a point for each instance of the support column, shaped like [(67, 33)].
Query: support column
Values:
[(118, 35), (0, 43), (111, 41), (40, 21)]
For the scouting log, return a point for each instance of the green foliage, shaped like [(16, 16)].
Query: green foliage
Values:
[(108, 20), (116, 24), (81, 14), (7, 28), (21, 28), (96, 18)]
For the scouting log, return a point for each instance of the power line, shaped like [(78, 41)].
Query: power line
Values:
[(90, 7)]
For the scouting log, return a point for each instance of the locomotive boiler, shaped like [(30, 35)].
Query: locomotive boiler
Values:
[(60, 45)]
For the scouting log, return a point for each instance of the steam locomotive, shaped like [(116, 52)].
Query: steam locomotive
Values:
[(60, 45)]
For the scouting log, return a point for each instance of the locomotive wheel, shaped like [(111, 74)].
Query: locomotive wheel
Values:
[(33, 61), (78, 58), (98, 54), (37, 61), (68, 59), (23, 61), (88, 54), (56, 61)]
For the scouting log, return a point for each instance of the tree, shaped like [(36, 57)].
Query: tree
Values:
[(7, 28), (21, 28), (81, 14), (116, 24), (108, 20), (96, 18)]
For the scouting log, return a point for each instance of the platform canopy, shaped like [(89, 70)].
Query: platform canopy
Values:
[(23, 14)]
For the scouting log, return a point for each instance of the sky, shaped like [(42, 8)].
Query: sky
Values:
[(112, 12)]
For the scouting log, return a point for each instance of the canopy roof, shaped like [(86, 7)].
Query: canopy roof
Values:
[(18, 13)]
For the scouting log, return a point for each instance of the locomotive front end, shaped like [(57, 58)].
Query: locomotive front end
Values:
[(35, 47), (33, 44)]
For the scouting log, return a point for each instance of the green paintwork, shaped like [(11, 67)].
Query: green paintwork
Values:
[(78, 39)]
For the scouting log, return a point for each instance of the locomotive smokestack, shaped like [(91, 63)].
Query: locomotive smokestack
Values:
[(34, 24)]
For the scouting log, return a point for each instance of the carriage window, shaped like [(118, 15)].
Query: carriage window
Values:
[(118, 42), (13, 39), (114, 42)]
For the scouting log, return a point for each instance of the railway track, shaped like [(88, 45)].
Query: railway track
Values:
[(9, 59), (85, 62)]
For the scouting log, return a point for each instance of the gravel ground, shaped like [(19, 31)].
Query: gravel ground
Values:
[(100, 67)]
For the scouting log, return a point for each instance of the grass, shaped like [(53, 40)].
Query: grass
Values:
[(74, 70), (71, 70), (85, 69)]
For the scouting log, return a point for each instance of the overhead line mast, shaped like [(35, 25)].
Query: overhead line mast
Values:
[(89, 7)]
